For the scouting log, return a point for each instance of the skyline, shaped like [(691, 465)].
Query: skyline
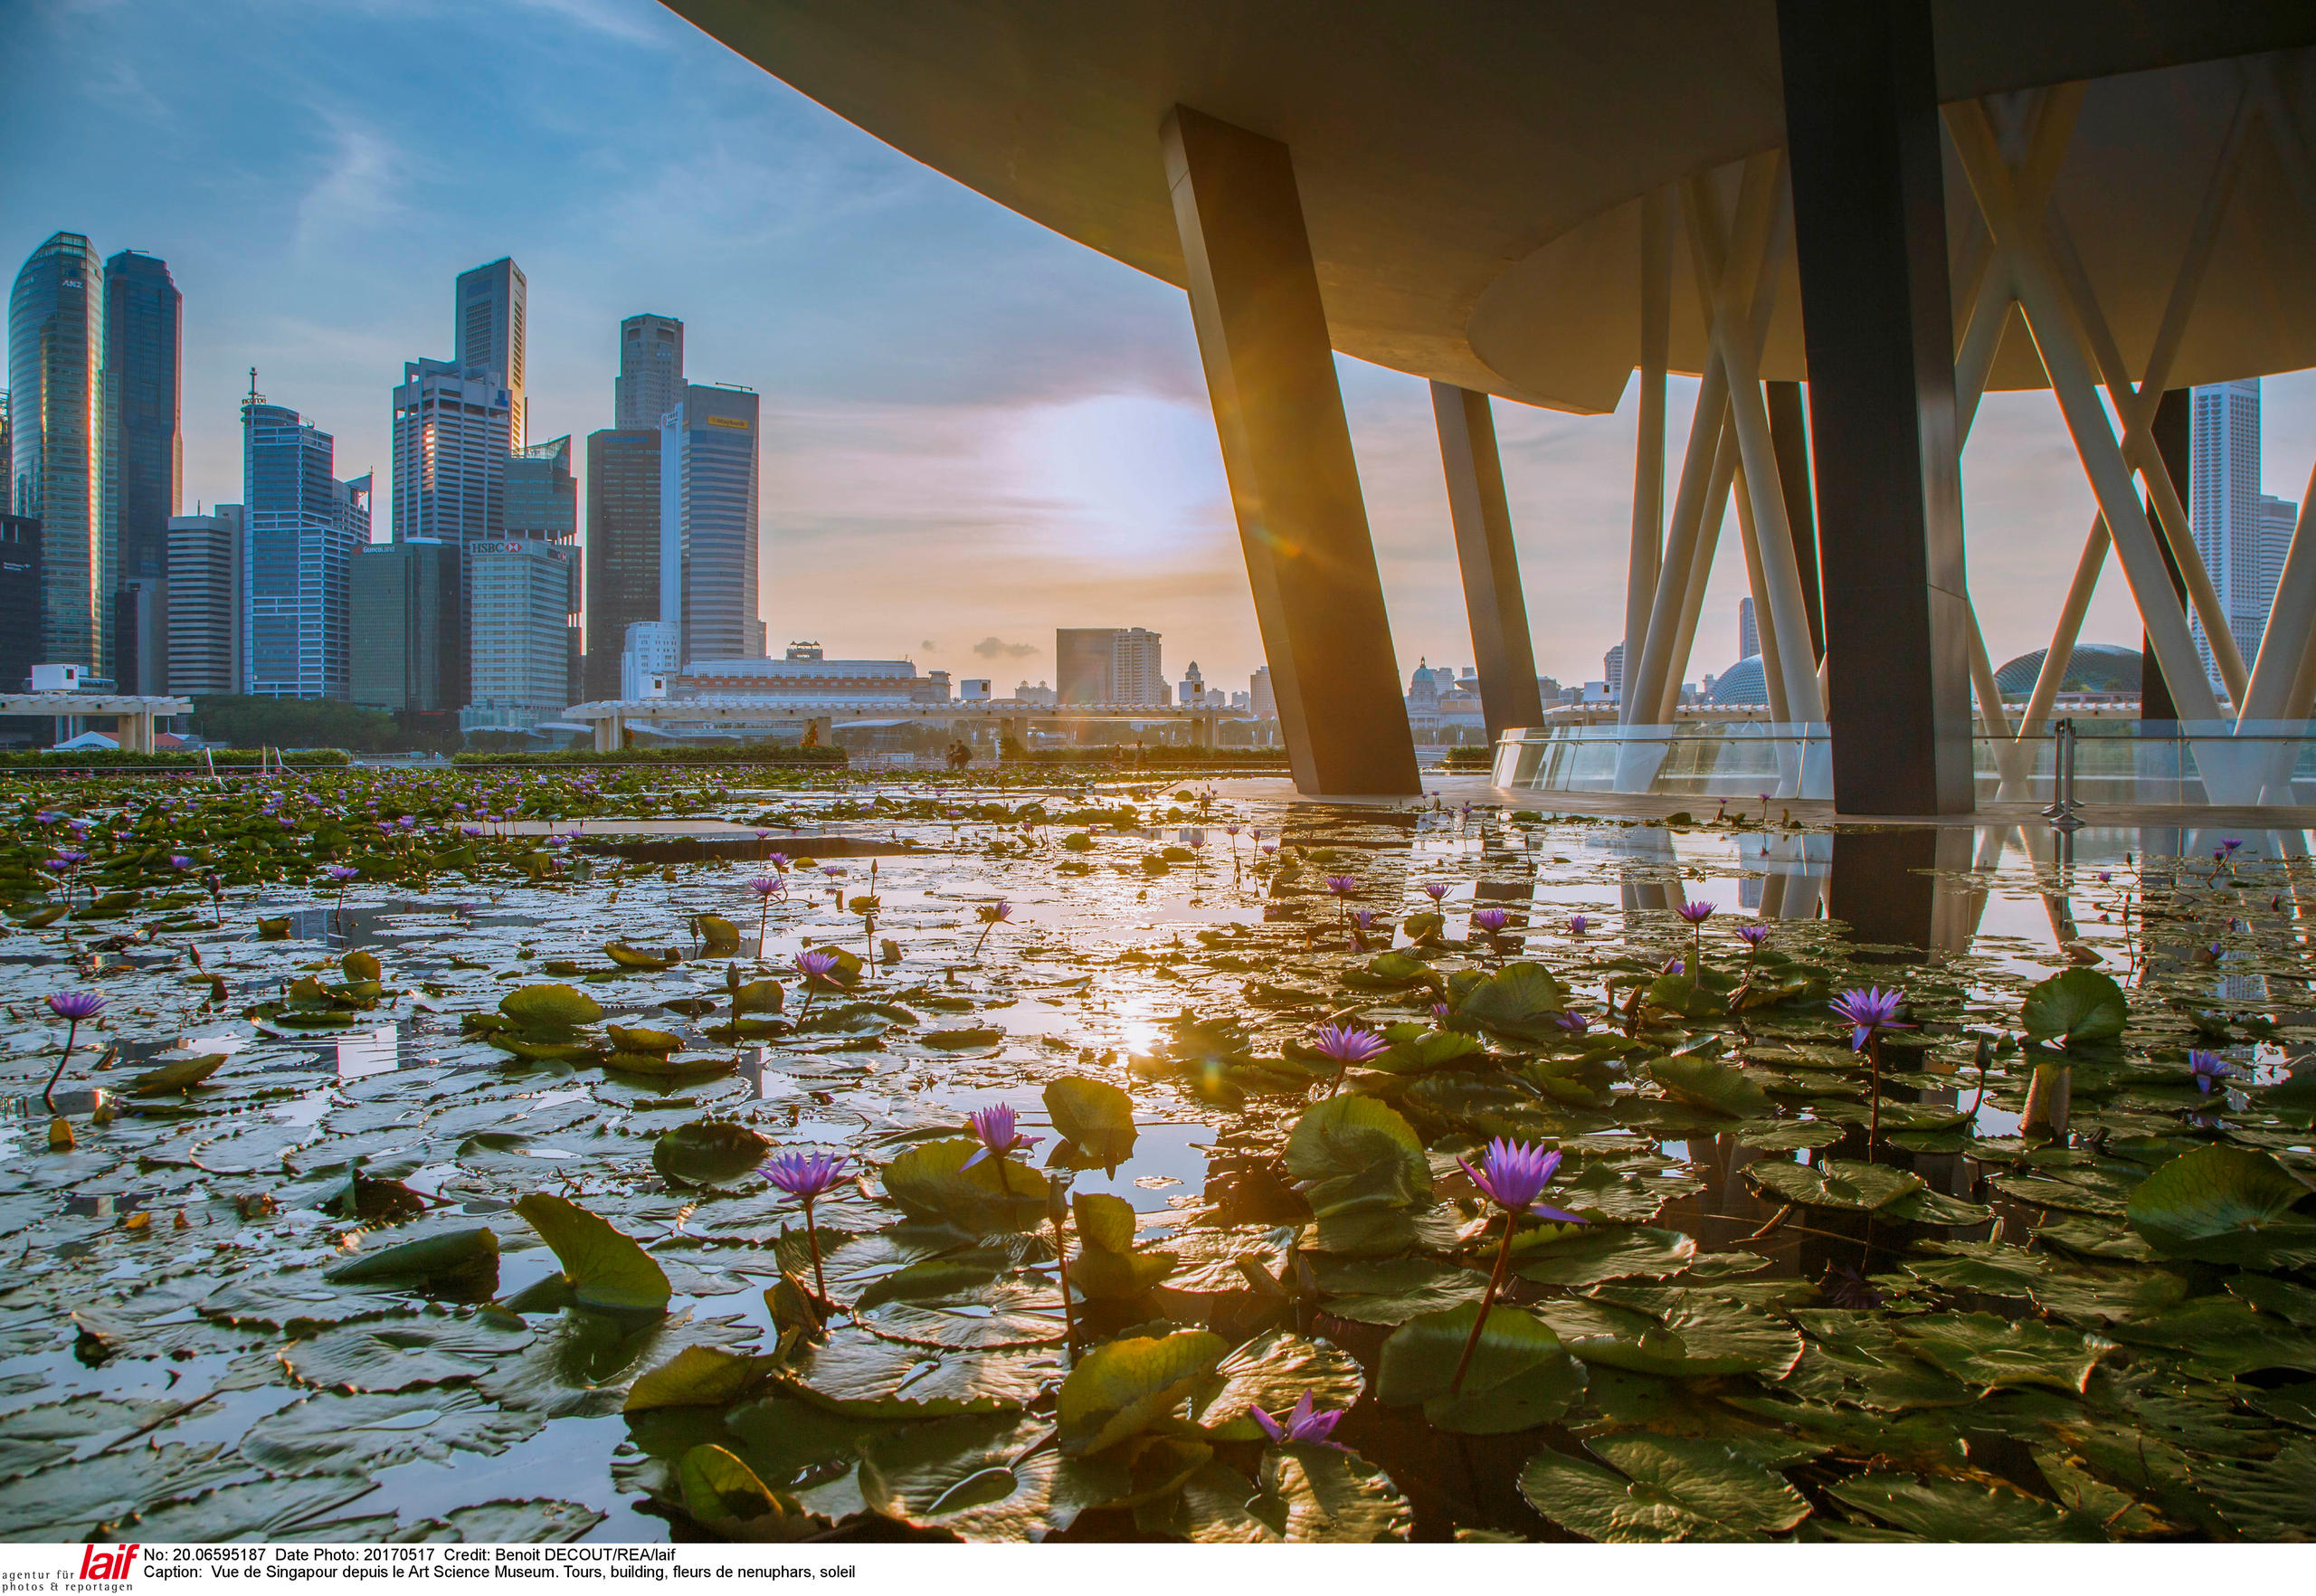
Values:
[(974, 431)]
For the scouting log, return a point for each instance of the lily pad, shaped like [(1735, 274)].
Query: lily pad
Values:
[(1673, 1330), (1979, 1509), (2079, 1005), (1993, 1353), (1274, 1372), (1836, 1183), (1093, 1118), (177, 1076), (1520, 1375), (1394, 1290), (1522, 1001), (606, 1269), (865, 1376), (1708, 1084), (550, 1006), (1670, 1488), (456, 1257), (995, 1194), (710, 1153), (1351, 1152), (1121, 1387), (1570, 1256), (2224, 1205)]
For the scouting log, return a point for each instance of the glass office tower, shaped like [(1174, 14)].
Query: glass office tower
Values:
[(56, 359)]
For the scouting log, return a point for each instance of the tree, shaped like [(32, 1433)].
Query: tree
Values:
[(239, 721)]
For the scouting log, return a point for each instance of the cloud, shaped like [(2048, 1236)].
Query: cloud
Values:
[(991, 648), (360, 190)]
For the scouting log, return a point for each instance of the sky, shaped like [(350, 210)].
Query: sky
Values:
[(975, 430)]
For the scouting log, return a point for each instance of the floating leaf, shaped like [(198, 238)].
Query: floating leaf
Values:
[(983, 1476), (963, 1037), (1970, 1510), (637, 958), (1835, 1183), (177, 1076), (1274, 1372), (637, 1039), (1121, 1386), (550, 1006), (1094, 1117), (400, 1354), (1522, 1001), (2224, 1205), (1670, 1488), (606, 1269), (1708, 1084), (1324, 1494), (1992, 1354), (865, 1376), (1672, 1330), (1570, 1255), (1394, 1290), (995, 1194), (722, 1492), (698, 1376), (1352, 1153), (708, 1153), (456, 1257), (1520, 1375), (2079, 1005)]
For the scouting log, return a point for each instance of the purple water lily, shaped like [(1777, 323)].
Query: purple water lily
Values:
[(1871, 1011), (1577, 925), (1435, 890), (1696, 913), (996, 1127), (1753, 936), (179, 861), (1513, 1177), (1347, 1045), (807, 1177), (2208, 1068), (812, 964), (766, 887), (71, 1007), (992, 914), (1305, 1425), (1571, 1021)]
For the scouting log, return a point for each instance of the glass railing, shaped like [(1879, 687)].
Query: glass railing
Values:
[(2184, 762)]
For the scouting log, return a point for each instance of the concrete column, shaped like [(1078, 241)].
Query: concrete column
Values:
[(2173, 429), (1505, 658), (606, 736), (1789, 434), (1262, 337), (1864, 138)]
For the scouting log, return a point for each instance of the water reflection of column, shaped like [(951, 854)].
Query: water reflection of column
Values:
[(1886, 886), (1651, 877), (1793, 866), (1515, 896)]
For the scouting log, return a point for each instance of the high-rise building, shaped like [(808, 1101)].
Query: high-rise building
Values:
[(300, 526), (404, 614), (451, 443), (1261, 697), (1612, 670), (205, 609), (140, 635), (519, 606), (1109, 665), (1749, 633), (56, 358), (7, 460), (542, 503), (650, 381), (20, 602), (2270, 543), (707, 522), (2223, 508), (487, 335), (622, 547), (144, 447)]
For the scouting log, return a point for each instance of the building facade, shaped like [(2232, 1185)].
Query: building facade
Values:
[(1109, 665), (1749, 631), (517, 650), (406, 648), (809, 682), (707, 522), (143, 451), (301, 526), (542, 503), (56, 429), (622, 583), (205, 609), (491, 308), (451, 442), (2224, 509), (20, 602), (650, 381)]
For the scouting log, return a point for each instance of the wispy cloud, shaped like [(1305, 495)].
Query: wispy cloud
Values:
[(359, 190)]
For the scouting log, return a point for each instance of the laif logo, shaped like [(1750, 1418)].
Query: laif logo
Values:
[(115, 1564)]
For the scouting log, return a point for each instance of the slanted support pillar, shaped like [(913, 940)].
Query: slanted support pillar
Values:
[(1863, 135), (1271, 374), (2173, 430), (1503, 653), (1791, 437)]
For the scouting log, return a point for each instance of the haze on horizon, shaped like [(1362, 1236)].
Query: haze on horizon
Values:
[(975, 430)]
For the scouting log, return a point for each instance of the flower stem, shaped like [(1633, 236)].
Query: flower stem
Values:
[(1494, 1284), (813, 1239), (1874, 1113), (985, 930), (1061, 1257), (48, 1092)]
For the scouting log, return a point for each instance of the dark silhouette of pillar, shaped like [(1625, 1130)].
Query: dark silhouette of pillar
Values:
[(1503, 654), (1789, 434), (1262, 338), (1863, 135), (2173, 428)]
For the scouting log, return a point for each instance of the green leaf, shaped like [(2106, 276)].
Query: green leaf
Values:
[(637, 958), (638, 1039), (1388, 972), (931, 1180), (468, 1257), (1325, 1495), (1670, 1489), (1570, 1255), (1120, 1387), (2221, 1337), (606, 1269), (981, 1476), (868, 1377), (1274, 1372), (1523, 1001), (179, 1076), (708, 1153), (968, 1036), (974, 1300), (757, 997), (1834, 1183), (1392, 1290), (1352, 1153), (1993, 1353), (402, 1355), (2223, 1205), (1707, 1083), (1977, 1510), (2080, 1005), (1673, 1330), (725, 1495), (550, 1006), (1520, 1375), (698, 1376), (1414, 1049), (1094, 1117)]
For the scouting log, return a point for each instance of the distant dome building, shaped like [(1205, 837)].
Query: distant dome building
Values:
[(1742, 684), (2092, 668)]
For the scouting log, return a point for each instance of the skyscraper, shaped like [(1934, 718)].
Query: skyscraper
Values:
[(707, 522), (1749, 633), (56, 415), (622, 547), (301, 527), (542, 503), (403, 616), (488, 333), (1108, 665), (650, 381), (451, 432), (144, 448), (2224, 509), (20, 602), (518, 607), (206, 601)]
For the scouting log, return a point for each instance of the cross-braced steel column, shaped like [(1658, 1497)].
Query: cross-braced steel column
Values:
[(1861, 133), (1503, 653), (1262, 338)]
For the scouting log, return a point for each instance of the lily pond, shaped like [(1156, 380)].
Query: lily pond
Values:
[(540, 1156)]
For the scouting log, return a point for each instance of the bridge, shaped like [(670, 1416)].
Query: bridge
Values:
[(611, 719)]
